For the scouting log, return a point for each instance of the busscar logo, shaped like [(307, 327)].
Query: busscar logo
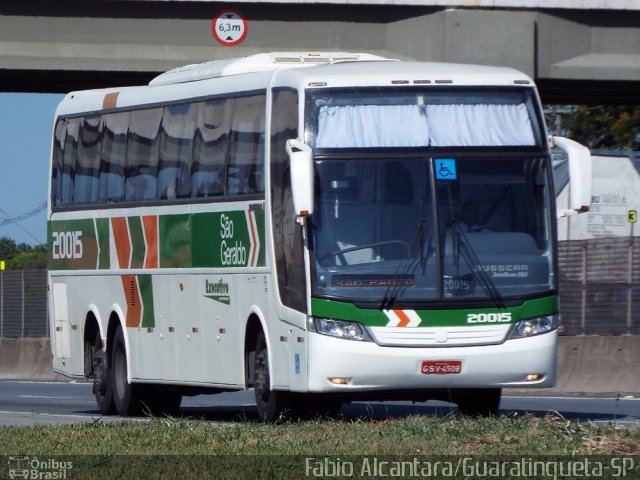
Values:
[(38, 469), (505, 270)]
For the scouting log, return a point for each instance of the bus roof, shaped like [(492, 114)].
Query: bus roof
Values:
[(295, 70)]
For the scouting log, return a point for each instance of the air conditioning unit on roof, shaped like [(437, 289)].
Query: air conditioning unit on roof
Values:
[(261, 62)]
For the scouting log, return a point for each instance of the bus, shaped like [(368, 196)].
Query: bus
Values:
[(318, 227)]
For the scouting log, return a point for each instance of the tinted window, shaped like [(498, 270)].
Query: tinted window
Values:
[(143, 154), (245, 172), (114, 152), (210, 149), (189, 150), (88, 165), (287, 234)]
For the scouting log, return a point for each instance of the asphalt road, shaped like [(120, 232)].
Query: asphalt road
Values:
[(38, 403)]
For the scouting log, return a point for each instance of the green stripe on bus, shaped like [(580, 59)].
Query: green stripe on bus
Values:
[(72, 245), (146, 295), (430, 318), (201, 240), (138, 248), (102, 232), (175, 241)]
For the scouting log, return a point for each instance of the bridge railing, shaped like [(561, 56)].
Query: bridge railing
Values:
[(599, 291), (600, 286), (23, 303)]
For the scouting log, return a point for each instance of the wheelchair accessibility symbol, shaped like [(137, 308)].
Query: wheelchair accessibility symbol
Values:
[(446, 169)]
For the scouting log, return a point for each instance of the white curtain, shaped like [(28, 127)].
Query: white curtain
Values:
[(362, 126), (479, 125)]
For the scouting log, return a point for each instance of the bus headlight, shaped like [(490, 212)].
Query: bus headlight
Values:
[(534, 326), (339, 329)]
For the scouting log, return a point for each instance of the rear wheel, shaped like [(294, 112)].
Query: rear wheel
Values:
[(478, 402), (126, 396), (102, 385), (272, 405)]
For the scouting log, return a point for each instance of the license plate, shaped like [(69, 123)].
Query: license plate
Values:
[(441, 367)]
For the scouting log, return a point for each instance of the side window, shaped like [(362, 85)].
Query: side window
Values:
[(64, 164), (210, 149), (188, 150), (86, 179), (143, 154), (245, 171), (287, 234), (114, 152), (176, 145), (56, 161)]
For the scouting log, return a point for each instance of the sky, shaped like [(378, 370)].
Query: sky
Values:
[(26, 122)]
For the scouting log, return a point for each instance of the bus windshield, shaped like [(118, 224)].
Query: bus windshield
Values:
[(419, 117), (385, 230)]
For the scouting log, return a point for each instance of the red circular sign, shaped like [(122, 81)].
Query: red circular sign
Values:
[(229, 27)]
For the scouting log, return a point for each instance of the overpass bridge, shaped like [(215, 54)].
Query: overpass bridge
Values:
[(578, 51)]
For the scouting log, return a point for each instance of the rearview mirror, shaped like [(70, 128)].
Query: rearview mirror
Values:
[(579, 175), (302, 179)]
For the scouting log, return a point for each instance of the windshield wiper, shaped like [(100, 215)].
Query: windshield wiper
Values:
[(405, 267)]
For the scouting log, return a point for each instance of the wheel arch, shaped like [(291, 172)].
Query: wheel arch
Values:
[(91, 328), (255, 324), (92, 324)]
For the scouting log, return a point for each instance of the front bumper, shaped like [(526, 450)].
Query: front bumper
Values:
[(366, 366)]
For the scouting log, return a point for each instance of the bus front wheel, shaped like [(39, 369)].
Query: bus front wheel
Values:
[(272, 405)]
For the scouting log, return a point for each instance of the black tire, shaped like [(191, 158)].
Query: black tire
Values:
[(102, 384), (272, 405), (478, 402), (125, 395)]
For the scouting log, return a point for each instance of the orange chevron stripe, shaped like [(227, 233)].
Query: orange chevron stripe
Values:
[(150, 225), (253, 240), (404, 319), (134, 303), (123, 243)]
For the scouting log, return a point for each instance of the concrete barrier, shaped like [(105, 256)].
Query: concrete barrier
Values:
[(26, 359), (587, 364), (598, 365)]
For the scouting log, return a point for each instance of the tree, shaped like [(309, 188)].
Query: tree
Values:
[(611, 127), (8, 248), (22, 256)]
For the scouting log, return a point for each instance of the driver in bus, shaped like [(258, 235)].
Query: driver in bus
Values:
[(469, 219)]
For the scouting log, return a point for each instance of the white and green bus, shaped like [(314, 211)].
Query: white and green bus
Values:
[(320, 227)]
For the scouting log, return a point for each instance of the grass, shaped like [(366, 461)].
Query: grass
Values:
[(413, 435), (167, 448)]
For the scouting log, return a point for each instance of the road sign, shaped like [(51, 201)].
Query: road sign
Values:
[(632, 216), (229, 28)]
